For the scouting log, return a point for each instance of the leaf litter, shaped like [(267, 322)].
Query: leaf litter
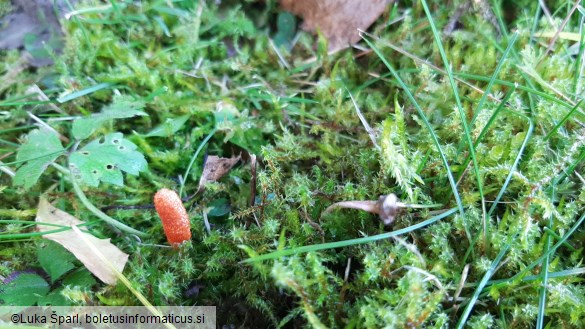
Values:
[(215, 168), (338, 20), (75, 243)]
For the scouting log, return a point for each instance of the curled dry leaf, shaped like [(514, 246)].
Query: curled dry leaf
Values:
[(73, 242), (338, 20), (215, 167)]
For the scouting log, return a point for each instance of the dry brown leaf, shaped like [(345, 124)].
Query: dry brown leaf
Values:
[(215, 167), (338, 20), (46, 213)]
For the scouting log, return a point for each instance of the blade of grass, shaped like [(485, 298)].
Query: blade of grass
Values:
[(578, 75), (26, 127), (24, 103), (556, 236), (535, 21), (569, 170), (98, 213), (425, 121), (544, 273), (497, 8), (482, 284), (120, 276), (19, 236), (365, 123), (551, 275), (83, 92), (420, 61), (512, 170), (193, 158), (36, 157), (345, 243), (529, 90), (462, 116), (539, 260), (562, 122), (493, 77), (560, 28), (515, 164), (89, 10)]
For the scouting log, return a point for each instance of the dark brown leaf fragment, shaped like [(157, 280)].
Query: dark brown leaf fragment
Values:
[(215, 167)]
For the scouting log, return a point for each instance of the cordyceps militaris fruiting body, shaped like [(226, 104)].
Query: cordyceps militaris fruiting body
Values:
[(173, 215)]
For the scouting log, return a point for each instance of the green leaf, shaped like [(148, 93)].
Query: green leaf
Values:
[(39, 151), (25, 290), (169, 127), (54, 298), (81, 277), (286, 25), (120, 109), (54, 259), (219, 207), (104, 160), (226, 115)]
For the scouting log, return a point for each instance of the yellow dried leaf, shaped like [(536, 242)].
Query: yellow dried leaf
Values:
[(81, 250)]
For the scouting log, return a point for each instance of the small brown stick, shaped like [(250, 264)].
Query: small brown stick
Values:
[(367, 126), (253, 180), (559, 30), (313, 224), (459, 289)]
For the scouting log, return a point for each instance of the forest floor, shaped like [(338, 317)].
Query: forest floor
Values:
[(469, 112)]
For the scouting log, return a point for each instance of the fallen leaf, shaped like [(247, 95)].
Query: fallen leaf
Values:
[(338, 20), (215, 167), (74, 243)]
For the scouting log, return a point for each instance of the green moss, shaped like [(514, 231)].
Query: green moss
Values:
[(215, 66)]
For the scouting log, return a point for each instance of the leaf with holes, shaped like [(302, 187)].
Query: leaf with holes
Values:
[(104, 160), (39, 151)]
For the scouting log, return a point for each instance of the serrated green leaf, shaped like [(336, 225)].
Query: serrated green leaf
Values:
[(25, 290), (55, 259), (104, 160), (39, 151), (54, 298), (120, 109), (169, 127), (81, 277)]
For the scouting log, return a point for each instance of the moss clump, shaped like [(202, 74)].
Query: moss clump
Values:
[(211, 75)]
